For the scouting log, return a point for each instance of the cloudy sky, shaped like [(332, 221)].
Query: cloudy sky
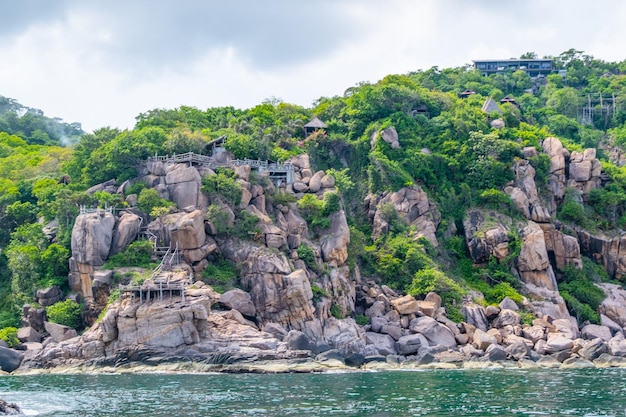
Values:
[(101, 63)]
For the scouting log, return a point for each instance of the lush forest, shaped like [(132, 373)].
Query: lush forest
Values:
[(447, 146)]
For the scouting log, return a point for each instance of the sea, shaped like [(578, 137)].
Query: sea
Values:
[(502, 392)]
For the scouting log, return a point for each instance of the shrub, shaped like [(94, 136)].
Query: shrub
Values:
[(581, 311), (318, 293), (138, 253), (223, 185), (9, 335), (527, 317), (313, 211), (573, 212), (305, 252), (9, 317), (281, 197), (331, 203), (335, 311), (221, 274), (246, 225), (219, 217), (430, 279), (149, 199), (362, 320), (497, 293), (454, 314), (577, 283), (66, 312)]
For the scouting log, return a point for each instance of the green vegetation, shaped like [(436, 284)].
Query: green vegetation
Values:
[(223, 186), (138, 254), (318, 293), (316, 211), (148, 200), (9, 335), (67, 313), (447, 147), (222, 275), (305, 252), (580, 294)]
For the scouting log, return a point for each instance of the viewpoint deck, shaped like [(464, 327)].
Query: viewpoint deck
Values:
[(278, 172)]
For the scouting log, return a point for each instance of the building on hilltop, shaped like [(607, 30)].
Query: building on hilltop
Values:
[(533, 67)]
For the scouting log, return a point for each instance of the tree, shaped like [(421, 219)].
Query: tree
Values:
[(184, 140), (149, 199), (528, 55)]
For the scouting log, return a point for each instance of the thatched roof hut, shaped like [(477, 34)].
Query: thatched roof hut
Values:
[(313, 125)]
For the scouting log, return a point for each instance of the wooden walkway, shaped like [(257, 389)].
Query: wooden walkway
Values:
[(161, 283), (278, 171)]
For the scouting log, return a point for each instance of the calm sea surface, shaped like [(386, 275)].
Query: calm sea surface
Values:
[(390, 393)]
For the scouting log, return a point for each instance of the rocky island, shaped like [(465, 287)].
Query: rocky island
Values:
[(420, 227)]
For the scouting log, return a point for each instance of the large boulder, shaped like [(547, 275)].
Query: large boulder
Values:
[(482, 340), (593, 349), (435, 332), (384, 344), (390, 135), (614, 305), (556, 181), (564, 249), (334, 245), (91, 237), (610, 252), (125, 232), (279, 295), (558, 343), (524, 193), (533, 261), (28, 334), (183, 184), (486, 235), (412, 205), (58, 332), (475, 315), (161, 325), (594, 331), (48, 296), (10, 359), (239, 300), (9, 409), (410, 344), (188, 231), (405, 305), (584, 171)]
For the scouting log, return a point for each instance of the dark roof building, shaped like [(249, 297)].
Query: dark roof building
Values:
[(313, 125), (533, 67), (509, 99), (467, 93)]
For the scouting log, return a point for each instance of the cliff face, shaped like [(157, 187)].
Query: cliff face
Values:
[(288, 307)]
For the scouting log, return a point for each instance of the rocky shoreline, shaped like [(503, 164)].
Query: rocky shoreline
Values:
[(299, 313)]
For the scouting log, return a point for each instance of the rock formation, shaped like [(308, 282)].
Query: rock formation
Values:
[(412, 205)]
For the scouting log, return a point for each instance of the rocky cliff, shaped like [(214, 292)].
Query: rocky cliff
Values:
[(290, 307)]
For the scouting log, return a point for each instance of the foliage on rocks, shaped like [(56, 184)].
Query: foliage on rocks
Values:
[(68, 313)]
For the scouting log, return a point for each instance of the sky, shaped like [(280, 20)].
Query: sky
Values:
[(102, 63)]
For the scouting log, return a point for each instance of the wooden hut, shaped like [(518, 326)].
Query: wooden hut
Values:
[(313, 126)]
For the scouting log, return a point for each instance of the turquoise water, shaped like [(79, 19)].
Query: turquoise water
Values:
[(392, 393)]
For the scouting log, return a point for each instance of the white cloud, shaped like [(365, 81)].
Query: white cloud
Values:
[(104, 63)]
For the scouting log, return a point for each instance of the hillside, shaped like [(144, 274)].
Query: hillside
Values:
[(440, 215)]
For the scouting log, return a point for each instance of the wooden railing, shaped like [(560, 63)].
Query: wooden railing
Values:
[(211, 162)]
